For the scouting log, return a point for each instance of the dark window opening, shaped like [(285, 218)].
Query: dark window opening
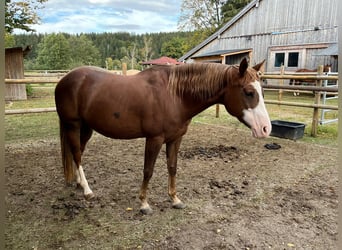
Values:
[(279, 59), (293, 59)]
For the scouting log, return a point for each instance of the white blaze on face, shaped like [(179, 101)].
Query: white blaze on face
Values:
[(257, 118)]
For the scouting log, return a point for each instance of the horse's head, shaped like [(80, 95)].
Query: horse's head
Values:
[(244, 99), (327, 68)]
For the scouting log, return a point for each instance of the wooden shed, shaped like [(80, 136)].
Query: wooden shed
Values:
[(289, 33), (14, 69)]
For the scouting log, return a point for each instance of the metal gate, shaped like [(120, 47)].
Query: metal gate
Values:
[(326, 97)]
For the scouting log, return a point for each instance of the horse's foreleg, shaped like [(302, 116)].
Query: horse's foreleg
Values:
[(152, 148), (172, 149), (296, 93)]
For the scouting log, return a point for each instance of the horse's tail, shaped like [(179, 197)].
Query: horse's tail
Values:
[(67, 157)]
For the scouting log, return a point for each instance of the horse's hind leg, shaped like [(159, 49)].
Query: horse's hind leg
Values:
[(85, 134), (82, 181), (78, 137)]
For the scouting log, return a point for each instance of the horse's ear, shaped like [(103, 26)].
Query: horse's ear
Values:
[(243, 66), (259, 66)]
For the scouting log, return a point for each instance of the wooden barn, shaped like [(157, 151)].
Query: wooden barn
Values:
[(284, 32)]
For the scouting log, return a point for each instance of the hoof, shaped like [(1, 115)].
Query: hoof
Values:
[(179, 205), (146, 210), (89, 196)]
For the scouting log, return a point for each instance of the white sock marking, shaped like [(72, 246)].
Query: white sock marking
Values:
[(83, 182)]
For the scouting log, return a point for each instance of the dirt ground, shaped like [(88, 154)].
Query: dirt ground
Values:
[(239, 195)]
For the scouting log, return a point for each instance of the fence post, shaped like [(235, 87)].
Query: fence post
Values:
[(281, 83), (217, 110), (315, 116), (124, 69)]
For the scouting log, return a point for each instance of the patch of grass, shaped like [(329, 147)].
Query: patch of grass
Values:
[(327, 134), (31, 126), (40, 97), (29, 90)]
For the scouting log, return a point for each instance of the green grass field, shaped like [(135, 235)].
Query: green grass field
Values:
[(45, 125)]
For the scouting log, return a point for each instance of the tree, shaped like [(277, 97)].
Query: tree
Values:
[(173, 48), (109, 63), (54, 52), (198, 35), (113, 45), (147, 49), (21, 14), (9, 40), (231, 8), (83, 52), (205, 17), (131, 54), (200, 15), (126, 60)]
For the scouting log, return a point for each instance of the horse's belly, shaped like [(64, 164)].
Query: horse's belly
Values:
[(115, 125), (119, 132)]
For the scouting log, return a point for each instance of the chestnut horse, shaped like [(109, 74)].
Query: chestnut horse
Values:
[(326, 68), (157, 104)]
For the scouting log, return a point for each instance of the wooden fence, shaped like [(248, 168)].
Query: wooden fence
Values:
[(317, 88)]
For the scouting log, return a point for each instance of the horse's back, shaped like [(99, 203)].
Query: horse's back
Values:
[(305, 70), (84, 76), (114, 105), (74, 79)]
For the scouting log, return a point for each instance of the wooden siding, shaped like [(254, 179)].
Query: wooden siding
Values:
[(282, 23), (14, 69)]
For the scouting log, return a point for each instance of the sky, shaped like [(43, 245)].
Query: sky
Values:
[(86, 16)]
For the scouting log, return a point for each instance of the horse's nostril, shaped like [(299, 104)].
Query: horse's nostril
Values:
[(264, 129)]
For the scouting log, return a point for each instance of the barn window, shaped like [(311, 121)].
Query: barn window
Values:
[(279, 59), (293, 59)]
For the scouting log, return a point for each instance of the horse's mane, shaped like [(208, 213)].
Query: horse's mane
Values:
[(200, 80)]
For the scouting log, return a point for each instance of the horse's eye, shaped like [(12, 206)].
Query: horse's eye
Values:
[(249, 92)]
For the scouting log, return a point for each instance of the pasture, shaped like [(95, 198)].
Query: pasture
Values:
[(239, 195)]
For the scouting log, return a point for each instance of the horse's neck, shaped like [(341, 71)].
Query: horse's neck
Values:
[(198, 81), (191, 106), (198, 86)]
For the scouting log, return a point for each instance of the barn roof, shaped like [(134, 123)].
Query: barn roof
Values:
[(254, 3), (332, 50), (222, 52), (25, 50), (164, 60)]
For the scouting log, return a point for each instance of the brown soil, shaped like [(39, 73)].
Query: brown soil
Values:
[(239, 195)]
